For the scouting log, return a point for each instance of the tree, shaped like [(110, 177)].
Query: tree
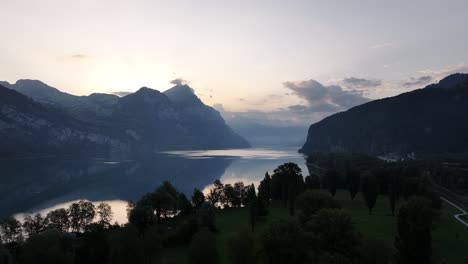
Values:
[(198, 198), (34, 224), (353, 182), (203, 248), (374, 251), (286, 182), (332, 181), (283, 242), (81, 214), (216, 195), (104, 211), (164, 200), (125, 246), (414, 231), (370, 190), (152, 244), (141, 216), (51, 246), (185, 207), (393, 194), (264, 189), (206, 216), (252, 206), (10, 230), (231, 198), (241, 248), (310, 202), (241, 194), (58, 219), (334, 232), (312, 182)]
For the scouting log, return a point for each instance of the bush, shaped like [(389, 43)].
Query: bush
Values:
[(310, 202), (241, 248), (203, 248)]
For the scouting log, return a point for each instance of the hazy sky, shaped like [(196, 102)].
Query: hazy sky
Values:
[(301, 56)]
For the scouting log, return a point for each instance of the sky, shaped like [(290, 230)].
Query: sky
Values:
[(291, 59)]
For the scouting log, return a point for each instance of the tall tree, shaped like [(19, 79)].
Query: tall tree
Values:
[(332, 178), (370, 190), (252, 206), (312, 182), (10, 230), (216, 195), (414, 227), (310, 202), (58, 219), (81, 214), (34, 224), (286, 183), (353, 181), (104, 211), (198, 198), (264, 189)]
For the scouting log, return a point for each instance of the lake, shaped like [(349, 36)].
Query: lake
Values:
[(43, 184)]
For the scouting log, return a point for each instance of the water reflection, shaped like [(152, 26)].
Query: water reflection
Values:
[(41, 185)]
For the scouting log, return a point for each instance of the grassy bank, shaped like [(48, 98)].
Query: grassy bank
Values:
[(450, 238)]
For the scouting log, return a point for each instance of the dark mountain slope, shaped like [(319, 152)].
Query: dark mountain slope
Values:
[(28, 127), (429, 120)]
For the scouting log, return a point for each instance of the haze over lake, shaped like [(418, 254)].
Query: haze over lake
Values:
[(43, 184)]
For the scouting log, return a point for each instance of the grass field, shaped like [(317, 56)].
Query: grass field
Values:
[(450, 238)]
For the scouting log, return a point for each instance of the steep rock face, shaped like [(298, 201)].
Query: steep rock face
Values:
[(142, 122), (201, 121), (429, 120), (27, 127)]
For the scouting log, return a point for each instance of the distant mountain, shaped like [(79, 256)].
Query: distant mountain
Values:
[(429, 120), (142, 122), (28, 127)]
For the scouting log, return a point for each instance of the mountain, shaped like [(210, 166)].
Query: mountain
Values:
[(429, 120), (28, 127), (143, 122)]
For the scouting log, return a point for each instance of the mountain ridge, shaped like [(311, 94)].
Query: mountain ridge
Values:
[(425, 120)]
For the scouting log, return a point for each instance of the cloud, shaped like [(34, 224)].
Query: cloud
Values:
[(322, 98), (122, 94), (381, 45), (179, 81), (79, 56), (439, 74), (357, 83), (417, 81)]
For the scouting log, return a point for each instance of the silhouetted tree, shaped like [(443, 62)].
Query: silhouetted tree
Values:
[(374, 251), (353, 182), (370, 190), (105, 214), (184, 205), (332, 180), (141, 216), (203, 249), (206, 216), (252, 206), (58, 219), (10, 230), (312, 182), (81, 214), (34, 224), (230, 197), (198, 198), (125, 246), (51, 246), (241, 194), (264, 189), (310, 202), (216, 195), (286, 182), (414, 226), (241, 248), (283, 242), (334, 233)]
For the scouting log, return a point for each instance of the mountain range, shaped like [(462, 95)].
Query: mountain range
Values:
[(429, 120), (37, 119)]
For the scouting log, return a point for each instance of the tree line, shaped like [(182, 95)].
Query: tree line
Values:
[(316, 231)]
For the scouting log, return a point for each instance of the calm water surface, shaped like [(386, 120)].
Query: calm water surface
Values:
[(41, 185)]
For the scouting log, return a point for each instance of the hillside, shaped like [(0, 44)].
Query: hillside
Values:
[(429, 120), (44, 120)]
